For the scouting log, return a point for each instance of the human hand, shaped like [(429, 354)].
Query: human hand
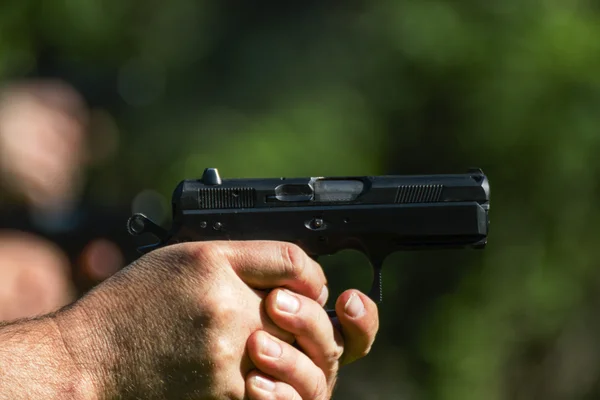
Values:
[(43, 141), (176, 322), (34, 276), (285, 372)]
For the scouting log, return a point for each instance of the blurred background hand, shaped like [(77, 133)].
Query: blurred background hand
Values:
[(44, 155), (35, 277), (43, 143)]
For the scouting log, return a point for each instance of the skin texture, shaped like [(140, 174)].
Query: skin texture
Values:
[(188, 321), (34, 277), (287, 373), (185, 322)]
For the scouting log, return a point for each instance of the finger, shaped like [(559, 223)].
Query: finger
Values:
[(50, 169), (272, 328), (309, 323), (56, 131), (269, 264), (42, 164), (263, 387), (34, 187), (359, 320), (289, 365), (42, 189)]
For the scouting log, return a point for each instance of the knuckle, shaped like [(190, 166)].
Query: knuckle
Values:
[(200, 260), (294, 260), (228, 387), (224, 382), (224, 353), (200, 252), (238, 392), (221, 309), (224, 310), (333, 354), (174, 259)]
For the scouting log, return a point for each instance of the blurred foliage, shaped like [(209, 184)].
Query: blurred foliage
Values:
[(386, 86)]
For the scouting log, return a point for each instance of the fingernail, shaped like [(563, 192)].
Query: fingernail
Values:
[(286, 302), (354, 306), (323, 296), (270, 348), (264, 384)]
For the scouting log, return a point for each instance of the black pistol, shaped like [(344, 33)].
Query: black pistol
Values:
[(377, 215)]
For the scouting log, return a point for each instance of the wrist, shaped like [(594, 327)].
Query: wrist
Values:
[(83, 342), (85, 383), (34, 363)]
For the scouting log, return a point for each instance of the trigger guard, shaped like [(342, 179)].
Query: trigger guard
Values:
[(376, 290)]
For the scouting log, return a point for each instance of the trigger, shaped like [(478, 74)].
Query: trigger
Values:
[(376, 292)]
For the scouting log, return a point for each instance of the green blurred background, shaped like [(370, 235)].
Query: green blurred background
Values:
[(271, 88)]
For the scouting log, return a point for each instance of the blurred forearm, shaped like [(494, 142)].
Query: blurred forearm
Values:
[(34, 363)]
